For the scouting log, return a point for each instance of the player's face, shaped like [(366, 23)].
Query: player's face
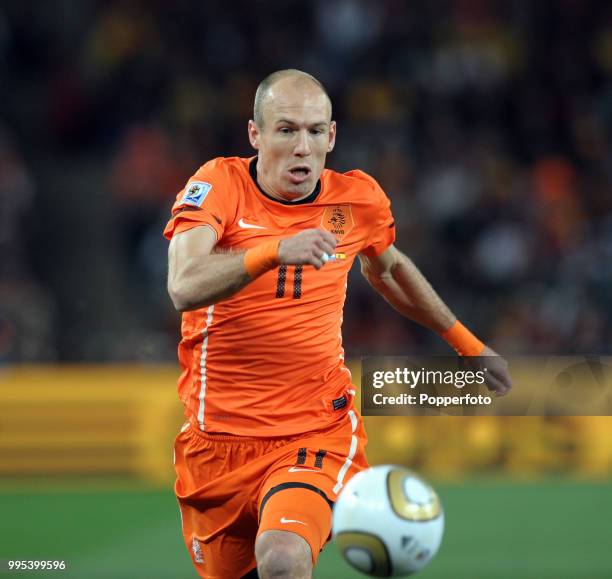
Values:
[(293, 143)]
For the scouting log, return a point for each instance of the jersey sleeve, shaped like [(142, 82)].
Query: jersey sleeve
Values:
[(205, 200), (382, 225)]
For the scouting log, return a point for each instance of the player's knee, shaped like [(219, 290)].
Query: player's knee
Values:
[(283, 555)]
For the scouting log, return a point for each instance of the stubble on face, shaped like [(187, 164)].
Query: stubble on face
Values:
[(295, 138)]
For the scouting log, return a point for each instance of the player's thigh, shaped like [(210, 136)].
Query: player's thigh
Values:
[(326, 460), (225, 555), (302, 485), (292, 508), (217, 494)]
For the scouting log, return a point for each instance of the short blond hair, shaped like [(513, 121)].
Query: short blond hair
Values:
[(270, 80)]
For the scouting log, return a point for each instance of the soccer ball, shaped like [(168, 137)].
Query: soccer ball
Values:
[(388, 522)]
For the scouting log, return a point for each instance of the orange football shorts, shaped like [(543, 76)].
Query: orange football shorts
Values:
[(232, 488)]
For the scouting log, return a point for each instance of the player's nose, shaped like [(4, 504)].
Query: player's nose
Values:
[(302, 146)]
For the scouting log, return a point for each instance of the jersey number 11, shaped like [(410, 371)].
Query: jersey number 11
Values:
[(281, 282)]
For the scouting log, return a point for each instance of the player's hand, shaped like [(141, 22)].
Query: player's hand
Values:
[(498, 377), (309, 247)]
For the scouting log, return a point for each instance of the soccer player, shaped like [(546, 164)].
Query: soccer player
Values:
[(259, 255)]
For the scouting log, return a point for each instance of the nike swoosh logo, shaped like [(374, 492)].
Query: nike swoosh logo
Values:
[(295, 469), (242, 223), (285, 521)]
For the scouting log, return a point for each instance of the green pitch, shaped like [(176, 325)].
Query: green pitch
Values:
[(513, 531)]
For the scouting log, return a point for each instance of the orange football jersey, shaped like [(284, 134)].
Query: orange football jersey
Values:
[(268, 361)]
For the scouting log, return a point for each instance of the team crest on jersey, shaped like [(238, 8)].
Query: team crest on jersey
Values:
[(338, 219), (195, 193)]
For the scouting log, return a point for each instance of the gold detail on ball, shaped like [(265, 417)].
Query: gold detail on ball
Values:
[(402, 506), (381, 563)]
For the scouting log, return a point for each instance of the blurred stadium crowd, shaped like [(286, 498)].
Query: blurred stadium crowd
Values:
[(488, 123)]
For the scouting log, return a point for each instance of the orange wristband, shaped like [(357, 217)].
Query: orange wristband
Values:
[(261, 258), (462, 340)]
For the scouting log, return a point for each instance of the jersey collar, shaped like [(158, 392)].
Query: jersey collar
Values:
[(309, 199)]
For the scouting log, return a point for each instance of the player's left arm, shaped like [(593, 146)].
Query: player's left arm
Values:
[(400, 282)]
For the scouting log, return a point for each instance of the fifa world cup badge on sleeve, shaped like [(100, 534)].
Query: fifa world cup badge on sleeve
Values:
[(195, 193)]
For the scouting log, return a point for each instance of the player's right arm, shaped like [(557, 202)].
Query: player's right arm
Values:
[(198, 276)]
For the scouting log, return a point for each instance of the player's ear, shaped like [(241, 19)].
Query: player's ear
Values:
[(253, 134), (332, 136)]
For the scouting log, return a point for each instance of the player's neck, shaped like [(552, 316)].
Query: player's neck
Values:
[(282, 197), (286, 197)]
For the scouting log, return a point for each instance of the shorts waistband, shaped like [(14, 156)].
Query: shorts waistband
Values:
[(237, 438), (225, 437)]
